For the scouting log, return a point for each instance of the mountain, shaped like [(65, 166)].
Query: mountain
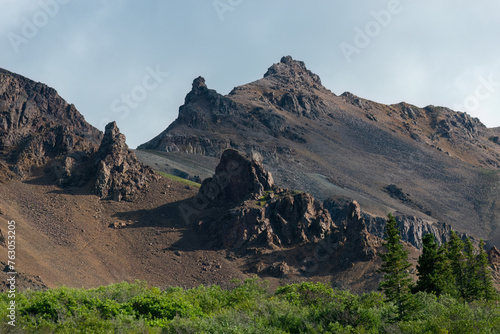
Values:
[(88, 212), (37, 125), (39, 130), (68, 186), (432, 165)]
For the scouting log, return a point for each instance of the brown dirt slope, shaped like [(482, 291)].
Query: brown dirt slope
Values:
[(73, 238)]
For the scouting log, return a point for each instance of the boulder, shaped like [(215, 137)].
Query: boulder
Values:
[(278, 269)]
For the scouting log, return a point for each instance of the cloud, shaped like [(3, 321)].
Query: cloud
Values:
[(93, 51)]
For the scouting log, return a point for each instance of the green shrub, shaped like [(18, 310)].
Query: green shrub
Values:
[(246, 308)]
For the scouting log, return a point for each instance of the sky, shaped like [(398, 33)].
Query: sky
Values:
[(134, 61)]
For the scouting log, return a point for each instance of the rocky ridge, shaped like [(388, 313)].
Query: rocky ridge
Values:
[(248, 211), (412, 229), (39, 129), (431, 163), (37, 125)]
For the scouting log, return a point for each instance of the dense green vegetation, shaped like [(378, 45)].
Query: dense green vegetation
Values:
[(247, 308), (454, 268), (453, 294)]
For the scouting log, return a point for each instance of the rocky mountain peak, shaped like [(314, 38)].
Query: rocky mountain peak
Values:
[(28, 107), (290, 70), (199, 90), (111, 130), (199, 83), (37, 125)]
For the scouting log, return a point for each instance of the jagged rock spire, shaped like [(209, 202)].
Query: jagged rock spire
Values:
[(237, 179), (119, 175)]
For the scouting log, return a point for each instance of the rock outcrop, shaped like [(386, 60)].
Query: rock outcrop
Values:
[(411, 228), (248, 211), (449, 124), (37, 125), (73, 170), (357, 243), (285, 220), (113, 170), (494, 258), (236, 179), (118, 173), (293, 71), (252, 212)]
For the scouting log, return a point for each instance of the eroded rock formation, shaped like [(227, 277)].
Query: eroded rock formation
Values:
[(248, 211), (411, 228), (118, 173), (236, 179)]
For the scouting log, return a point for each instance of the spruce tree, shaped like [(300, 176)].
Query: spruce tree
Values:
[(485, 282), (396, 283), (457, 261), (445, 280), (426, 266), (471, 286), (433, 268)]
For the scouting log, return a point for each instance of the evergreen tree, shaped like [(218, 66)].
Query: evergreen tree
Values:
[(396, 283), (433, 268), (457, 261), (471, 283), (485, 282), (455, 268), (426, 266), (445, 280)]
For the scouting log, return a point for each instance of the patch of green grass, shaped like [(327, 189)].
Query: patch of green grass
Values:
[(262, 201), (179, 179), (264, 198)]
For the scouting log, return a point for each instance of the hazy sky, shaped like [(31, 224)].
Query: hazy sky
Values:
[(134, 61)]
